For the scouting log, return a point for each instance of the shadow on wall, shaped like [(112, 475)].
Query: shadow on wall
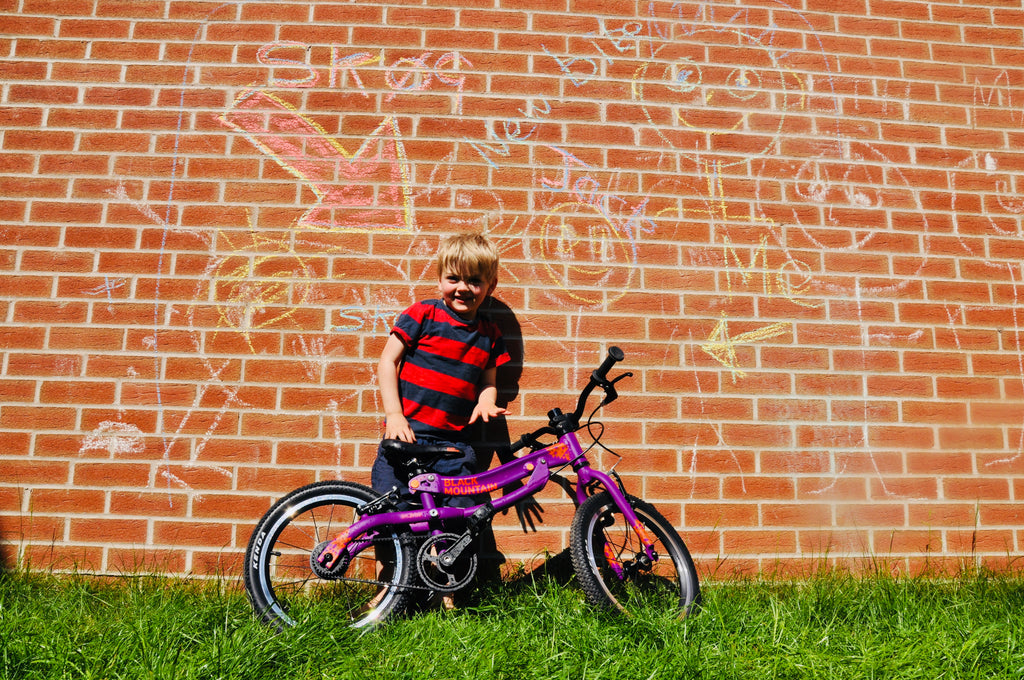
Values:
[(6, 552), (490, 439), (512, 332)]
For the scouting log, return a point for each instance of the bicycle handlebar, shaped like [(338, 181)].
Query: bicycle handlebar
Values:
[(599, 378), (615, 355)]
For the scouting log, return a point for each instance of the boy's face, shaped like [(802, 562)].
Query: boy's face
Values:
[(465, 295)]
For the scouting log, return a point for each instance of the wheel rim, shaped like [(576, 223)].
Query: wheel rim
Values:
[(633, 584), (292, 591)]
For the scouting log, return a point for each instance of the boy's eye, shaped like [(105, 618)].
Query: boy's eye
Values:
[(471, 281)]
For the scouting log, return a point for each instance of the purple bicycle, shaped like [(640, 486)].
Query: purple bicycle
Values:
[(361, 555)]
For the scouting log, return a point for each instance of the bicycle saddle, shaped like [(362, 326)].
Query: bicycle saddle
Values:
[(400, 452)]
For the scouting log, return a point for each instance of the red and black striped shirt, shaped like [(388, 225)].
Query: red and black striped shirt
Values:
[(445, 358)]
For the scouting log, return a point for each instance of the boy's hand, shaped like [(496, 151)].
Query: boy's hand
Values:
[(485, 412), (397, 427), (486, 403)]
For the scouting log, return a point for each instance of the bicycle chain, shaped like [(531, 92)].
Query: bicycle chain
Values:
[(405, 538)]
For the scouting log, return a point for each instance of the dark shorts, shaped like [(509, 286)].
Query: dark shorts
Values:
[(383, 477)]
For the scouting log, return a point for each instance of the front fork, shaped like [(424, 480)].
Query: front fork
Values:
[(587, 478)]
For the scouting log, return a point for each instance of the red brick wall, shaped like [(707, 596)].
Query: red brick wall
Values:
[(802, 223)]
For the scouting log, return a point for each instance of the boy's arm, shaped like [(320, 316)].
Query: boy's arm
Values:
[(486, 406), (395, 424)]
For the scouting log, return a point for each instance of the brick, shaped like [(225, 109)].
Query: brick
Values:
[(229, 506), (196, 422), (880, 514), (766, 488), (193, 533), (833, 541), (845, 488), (973, 438), (172, 477), (108, 530), (720, 515), (976, 488), (67, 501), (23, 472), (27, 286), (51, 48), (77, 559), (235, 451), (145, 561), (972, 541), (796, 515), (942, 514), (43, 94), (771, 543), (279, 425), (148, 503), (907, 542), (16, 443), (65, 392), (110, 474), (39, 140)]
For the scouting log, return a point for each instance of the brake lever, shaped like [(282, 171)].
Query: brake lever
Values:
[(627, 374), (610, 393)]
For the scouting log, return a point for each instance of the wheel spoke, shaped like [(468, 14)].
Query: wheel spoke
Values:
[(278, 562)]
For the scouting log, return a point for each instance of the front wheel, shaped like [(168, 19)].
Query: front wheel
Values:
[(280, 575), (613, 568)]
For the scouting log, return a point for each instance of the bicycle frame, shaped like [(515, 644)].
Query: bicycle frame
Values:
[(535, 467)]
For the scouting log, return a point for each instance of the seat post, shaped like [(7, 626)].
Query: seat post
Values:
[(427, 500)]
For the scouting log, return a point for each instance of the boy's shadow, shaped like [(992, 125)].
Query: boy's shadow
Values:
[(491, 440)]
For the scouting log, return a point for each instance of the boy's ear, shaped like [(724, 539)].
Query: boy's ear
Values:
[(494, 284)]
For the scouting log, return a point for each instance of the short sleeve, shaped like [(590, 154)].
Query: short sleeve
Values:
[(409, 326)]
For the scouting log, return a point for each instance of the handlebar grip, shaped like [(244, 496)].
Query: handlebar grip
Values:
[(615, 355)]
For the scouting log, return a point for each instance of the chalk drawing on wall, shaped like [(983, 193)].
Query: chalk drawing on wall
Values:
[(710, 105), (116, 438), (363, 190), (721, 346)]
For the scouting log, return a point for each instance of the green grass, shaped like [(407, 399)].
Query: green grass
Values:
[(828, 627)]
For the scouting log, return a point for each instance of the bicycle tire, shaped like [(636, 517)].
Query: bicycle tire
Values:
[(604, 550), (280, 582)]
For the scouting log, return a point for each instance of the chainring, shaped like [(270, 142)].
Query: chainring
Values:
[(438, 576)]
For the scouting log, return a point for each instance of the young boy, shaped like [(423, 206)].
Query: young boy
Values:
[(437, 371)]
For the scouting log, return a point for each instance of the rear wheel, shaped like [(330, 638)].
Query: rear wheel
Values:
[(285, 584), (613, 568)]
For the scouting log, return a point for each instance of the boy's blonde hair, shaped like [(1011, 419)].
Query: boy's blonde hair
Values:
[(468, 255)]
